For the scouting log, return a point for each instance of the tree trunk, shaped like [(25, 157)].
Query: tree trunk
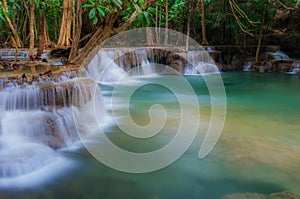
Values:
[(188, 27), (261, 35), (16, 40), (47, 42), (41, 46), (77, 30), (31, 34), (65, 29), (99, 36), (156, 25), (167, 23), (31, 29), (149, 36), (203, 22), (107, 30)]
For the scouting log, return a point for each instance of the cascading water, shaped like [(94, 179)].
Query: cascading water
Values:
[(295, 68), (247, 67), (11, 54), (35, 120), (110, 64), (279, 55), (200, 63), (102, 68)]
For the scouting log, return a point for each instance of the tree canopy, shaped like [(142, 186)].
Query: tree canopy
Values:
[(84, 23)]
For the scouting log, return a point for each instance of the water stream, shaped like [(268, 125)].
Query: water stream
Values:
[(257, 152)]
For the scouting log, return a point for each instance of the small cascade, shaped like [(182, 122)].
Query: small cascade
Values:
[(126, 58), (279, 55), (248, 67), (17, 98), (11, 54), (295, 68), (145, 69), (3, 82), (110, 64), (25, 158), (54, 129), (200, 63), (102, 68), (37, 119)]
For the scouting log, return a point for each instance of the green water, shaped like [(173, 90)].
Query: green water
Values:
[(257, 152)]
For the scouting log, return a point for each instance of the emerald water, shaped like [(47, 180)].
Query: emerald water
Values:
[(257, 152)]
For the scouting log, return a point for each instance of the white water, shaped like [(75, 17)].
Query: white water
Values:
[(248, 66), (103, 69), (279, 55), (295, 67), (125, 58), (109, 65), (35, 121), (22, 159), (200, 63)]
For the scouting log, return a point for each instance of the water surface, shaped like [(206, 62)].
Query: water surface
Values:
[(258, 150)]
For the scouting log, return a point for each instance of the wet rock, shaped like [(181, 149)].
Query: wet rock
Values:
[(177, 65), (60, 94), (246, 196), (283, 195), (262, 69), (60, 52), (220, 66)]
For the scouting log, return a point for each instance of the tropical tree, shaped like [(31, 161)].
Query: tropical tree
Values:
[(203, 23), (65, 28), (108, 14), (5, 15), (77, 30), (31, 29)]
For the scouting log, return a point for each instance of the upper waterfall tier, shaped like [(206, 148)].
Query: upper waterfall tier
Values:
[(36, 119), (45, 95), (110, 64)]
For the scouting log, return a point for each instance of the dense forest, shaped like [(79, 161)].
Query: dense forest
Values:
[(161, 99), (45, 24)]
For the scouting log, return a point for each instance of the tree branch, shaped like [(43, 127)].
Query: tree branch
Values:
[(131, 19)]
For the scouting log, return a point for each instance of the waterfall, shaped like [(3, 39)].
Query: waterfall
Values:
[(247, 67), (36, 120), (126, 58), (295, 68), (279, 55), (110, 64), (145, 69), (199, 62), (11, 54), (24, 158), (102, 68)]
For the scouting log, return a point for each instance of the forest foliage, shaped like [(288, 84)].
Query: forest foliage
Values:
[(78, 23)]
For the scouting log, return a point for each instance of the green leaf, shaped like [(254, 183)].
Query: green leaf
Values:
[(101, 12), (43, 4), (92, 13), (1, 17), (87, 5), (119, 3), (147, 18), (92, 2), (55, 13), (136, 7), (6, 14), (95, 20), (142, 4)]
